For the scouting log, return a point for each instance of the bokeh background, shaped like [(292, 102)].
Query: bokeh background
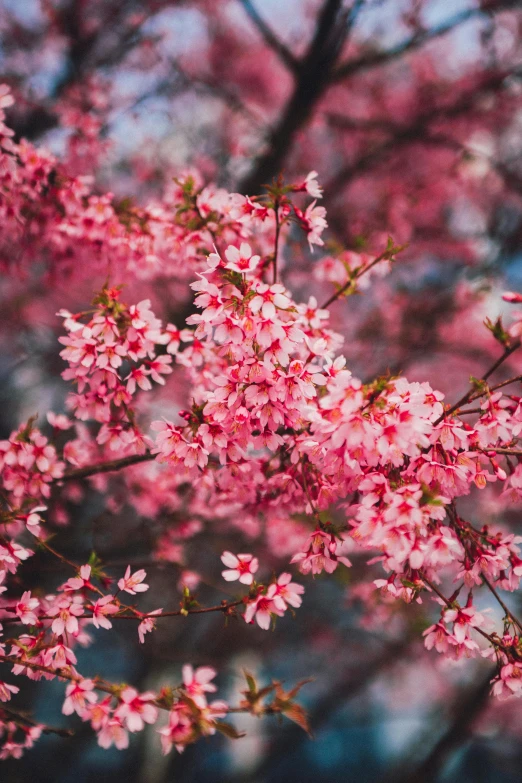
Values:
[(411, 112)]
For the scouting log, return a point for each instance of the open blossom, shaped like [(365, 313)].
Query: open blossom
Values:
[(113, 733), (62, 656), (437, 636), (311, 186), (197, 683), (11, 749), (268, 298), (59, 421), (186, 724), (286, 591), (78, 695), (102, 609), (66, 612), (463, 619), (509, 681), (25, 609), (79, 582), (180, 730), (242, 259), (262, 608), (135, 709), (313, 221), (98, 713), (133, 583), (273, 601), (33, 520), (242, 567)]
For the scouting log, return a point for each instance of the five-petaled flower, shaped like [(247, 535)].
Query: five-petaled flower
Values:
[(242, 567)]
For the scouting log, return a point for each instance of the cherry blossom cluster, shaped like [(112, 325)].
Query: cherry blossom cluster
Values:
[(125, 711), (28, 464), (110, 357), (265, 602), (268, 380), (278, 434), (54, 219)]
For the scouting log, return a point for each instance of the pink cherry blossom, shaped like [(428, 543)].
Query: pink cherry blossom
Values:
[(25, 609), (197, 683), (135, 709), (133, 583), (242, 259), (102, 609), (78, 695), (67, 612), (6, 690), (242, 567)]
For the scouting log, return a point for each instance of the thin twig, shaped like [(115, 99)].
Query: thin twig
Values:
[(450, 605), (17, 716), (350, 282), (276, 244), (469, 394), (508, 612), (224, 607), (373, 59)]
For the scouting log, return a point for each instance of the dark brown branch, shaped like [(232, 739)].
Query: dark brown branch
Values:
[(469, 394), (507, 452), (224, 607), (313, 79), (105, 467), (373, 59), (270, 38), (508, 613), (346, 687), (276, 241), (418, 131), (83, 56), (466, 708), (20, 718)]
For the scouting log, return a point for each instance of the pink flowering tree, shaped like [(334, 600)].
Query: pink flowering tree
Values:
[(227, 402)]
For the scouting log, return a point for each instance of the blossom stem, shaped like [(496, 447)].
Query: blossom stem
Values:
[(350, 282), (276, 244), (450, 605), (457, 526), (509, 613), (471, 393)]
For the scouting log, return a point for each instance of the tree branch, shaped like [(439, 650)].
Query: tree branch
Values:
[(270, 37), (416, 132), (373, 59), (315, 70), (224, 607), (20, 718), (105, 467), (467, 706), (469, 394)]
